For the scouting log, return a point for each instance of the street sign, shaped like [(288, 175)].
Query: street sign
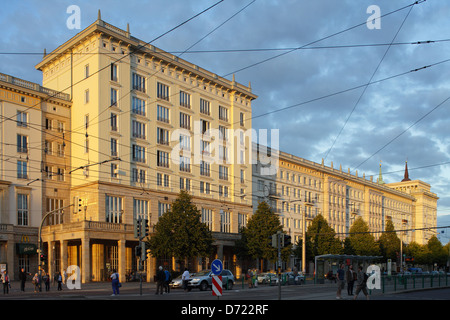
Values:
[(216, 267), (217, 286)]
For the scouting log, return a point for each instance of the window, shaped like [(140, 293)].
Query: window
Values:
[(204, 126), (162, 136), (185, 99), (138, 153), (138, 106), (205, 187), (114, 147), (185, 164), (22, 119), (86, 96), (204, 106), (60, 149), (113, 97), (223, 172), (242, 221), (162, 159), (113, 72), (138, 82), (223, 191), (162, 114), (48, 124), (60, 174), (163, 208), (22, 209), (185, 142), (205, 168), (114, 170), (223, 133), (162, 91), (113, 122), (166, 180), (205, 147), (138, 129), (241, 119), (86, 121), (185, 121), (140, 209), (138, 175), (223, 113), (225, 224), (86, 71), (207, 218), (114, 209), (185, 184), (22, 171), (22, 143)]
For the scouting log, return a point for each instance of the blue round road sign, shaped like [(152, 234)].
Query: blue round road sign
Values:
[(216, 267)]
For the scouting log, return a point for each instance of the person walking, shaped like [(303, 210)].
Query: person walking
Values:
[(351, 277), (361, 284), (23, 279), (36, 283), (249, 278), (167, 280), (46, 280), (340, 276), (160, 279), (115, 282), (185, 277), (5, 281), (59, 280)]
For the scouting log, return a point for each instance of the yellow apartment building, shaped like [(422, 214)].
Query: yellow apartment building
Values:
[(34, 166), (300, 189), (145, 124)]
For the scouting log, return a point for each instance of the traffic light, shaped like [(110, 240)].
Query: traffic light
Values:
[(144, 227), (274, 240), (80, 204), (43, 259), (286, 240), (143, 252), (137, 228), (138, 251)]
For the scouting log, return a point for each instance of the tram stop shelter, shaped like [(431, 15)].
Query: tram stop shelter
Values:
[(336, 259)]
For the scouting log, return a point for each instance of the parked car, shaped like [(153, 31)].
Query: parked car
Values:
[(292, 278), (267, 278), (178, 283), (203, 280)]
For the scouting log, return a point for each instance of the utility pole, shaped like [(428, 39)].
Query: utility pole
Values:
[(140, 232)]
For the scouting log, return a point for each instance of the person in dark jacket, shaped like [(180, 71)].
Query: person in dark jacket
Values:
[(160, 278), (23, 279)]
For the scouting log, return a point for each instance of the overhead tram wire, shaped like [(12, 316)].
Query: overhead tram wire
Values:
[(367, 45), (131, 52), (404, 131), (365, 88), (319, 40)]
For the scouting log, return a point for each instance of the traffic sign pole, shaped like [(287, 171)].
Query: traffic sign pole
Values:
[(217, 286)]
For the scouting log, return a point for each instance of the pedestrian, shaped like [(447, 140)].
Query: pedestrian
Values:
[(59, 280), (249, 278), (35, 281), (167, 280), (361, 284), (160, 278), (23, 279), (340, 276), (115, 282), (351, 277), (46, 279), (5, 281), (185, 277)]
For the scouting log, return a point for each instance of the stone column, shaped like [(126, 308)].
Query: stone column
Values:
[(122, 260), (85, 260)]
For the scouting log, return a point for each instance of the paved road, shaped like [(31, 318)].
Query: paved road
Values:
[(131, 291)]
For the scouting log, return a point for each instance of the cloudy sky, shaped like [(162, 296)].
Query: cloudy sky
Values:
[(337, 86)]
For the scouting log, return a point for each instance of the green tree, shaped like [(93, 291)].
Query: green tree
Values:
[(438, 254), (320, 239), (361, 240), (256, 240), (389, 242), (420, 253), (180, 233)]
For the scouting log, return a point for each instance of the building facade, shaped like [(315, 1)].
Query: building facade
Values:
[(35, 160), (145, 125), (300, 189)]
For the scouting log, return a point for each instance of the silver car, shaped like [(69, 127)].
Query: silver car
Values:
[(203, 280)]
